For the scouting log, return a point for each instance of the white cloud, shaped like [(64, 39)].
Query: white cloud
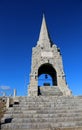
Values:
[(5, 87)]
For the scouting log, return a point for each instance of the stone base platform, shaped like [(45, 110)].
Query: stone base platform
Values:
[(44, 113)]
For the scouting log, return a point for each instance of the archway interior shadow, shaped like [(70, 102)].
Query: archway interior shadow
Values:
[(46, 76)]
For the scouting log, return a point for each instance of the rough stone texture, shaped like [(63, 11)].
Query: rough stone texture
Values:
[(50, 91), (47, 55), (44, 113)]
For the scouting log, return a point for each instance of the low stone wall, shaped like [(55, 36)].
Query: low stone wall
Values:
[(2, 108)]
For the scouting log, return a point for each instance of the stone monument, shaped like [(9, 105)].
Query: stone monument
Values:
[(47, 59), (47, 106)]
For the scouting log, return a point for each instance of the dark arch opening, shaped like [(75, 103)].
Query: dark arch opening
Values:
[(48, 69)]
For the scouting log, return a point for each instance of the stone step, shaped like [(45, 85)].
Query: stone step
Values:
[(43, 115), (38, 111), (50, 120), (54, 100), (50, 99), (47, 113), (43, 97), (70, 128), (14, 126), (52, 106), (49, 103), (26, 110), (34, 110), (36, 129)]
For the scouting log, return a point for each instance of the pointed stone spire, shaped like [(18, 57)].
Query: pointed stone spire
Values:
[(44, 38)]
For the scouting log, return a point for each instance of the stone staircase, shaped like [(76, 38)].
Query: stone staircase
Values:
[(50, 91), (44, 113)]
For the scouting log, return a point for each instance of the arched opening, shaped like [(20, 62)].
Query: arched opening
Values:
[(46, 76)]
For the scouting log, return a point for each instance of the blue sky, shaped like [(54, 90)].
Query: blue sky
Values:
[(20, 22)]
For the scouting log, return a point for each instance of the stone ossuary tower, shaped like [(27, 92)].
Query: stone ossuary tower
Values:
[(56, 108), (47, 59)]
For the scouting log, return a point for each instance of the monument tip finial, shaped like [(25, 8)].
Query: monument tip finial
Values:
[(44, 34), (43, 15)]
